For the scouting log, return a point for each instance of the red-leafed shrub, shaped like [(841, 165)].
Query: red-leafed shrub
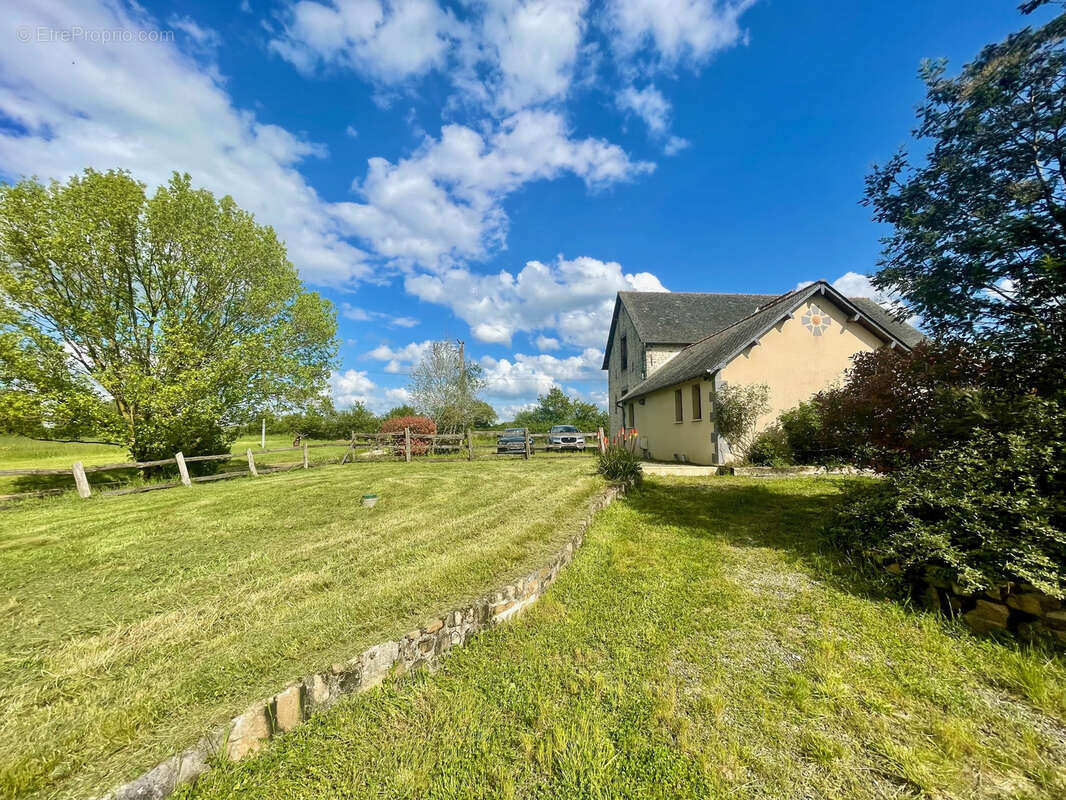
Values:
[(423, 425)]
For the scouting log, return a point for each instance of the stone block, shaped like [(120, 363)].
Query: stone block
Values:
[(931, 598), (435, 626), (994, 612), (1028, 602), (288, 708), (894, 568), (249, 732), (318, 693), (376, 663), (1056, 618)]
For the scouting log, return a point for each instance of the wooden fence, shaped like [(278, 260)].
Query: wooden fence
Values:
[(361, 447)]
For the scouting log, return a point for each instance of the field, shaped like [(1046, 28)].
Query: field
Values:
[(705, 643), (133, 623), (17, 452)]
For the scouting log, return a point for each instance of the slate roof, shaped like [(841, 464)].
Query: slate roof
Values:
[(681, 317), (713, 352)]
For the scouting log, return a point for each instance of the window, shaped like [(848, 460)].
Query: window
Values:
[(679, 408), (697, 408), (625, 354), (632, 415)]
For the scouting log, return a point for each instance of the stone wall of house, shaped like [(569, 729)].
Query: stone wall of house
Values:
[(419, 649), (1018, 608)]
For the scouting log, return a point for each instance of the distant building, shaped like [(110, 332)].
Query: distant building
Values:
[(667, 351)]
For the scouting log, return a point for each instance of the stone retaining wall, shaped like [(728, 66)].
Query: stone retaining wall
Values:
[(1017, 608), (419, 649)]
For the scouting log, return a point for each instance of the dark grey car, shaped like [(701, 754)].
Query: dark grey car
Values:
[(513, 440)]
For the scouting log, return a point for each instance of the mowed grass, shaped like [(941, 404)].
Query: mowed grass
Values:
[(132, 624), (703, 644), (19, 452)]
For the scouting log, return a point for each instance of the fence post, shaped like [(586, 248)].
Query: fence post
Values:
[(600, 441), (80, 480), (305, 455), (183, 471), (251, 464), (469, 445), (407, 445), (526, 430)]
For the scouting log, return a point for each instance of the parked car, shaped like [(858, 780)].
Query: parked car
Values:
[(565, 437), (513, 440)]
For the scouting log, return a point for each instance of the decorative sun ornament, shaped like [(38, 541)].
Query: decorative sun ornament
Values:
[(816, 320)]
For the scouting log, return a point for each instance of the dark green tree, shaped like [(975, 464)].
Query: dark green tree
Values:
[(558, 408), (159, 323), (978, 246)]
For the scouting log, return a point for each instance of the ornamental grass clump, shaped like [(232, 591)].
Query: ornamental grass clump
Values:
[(619, 461)]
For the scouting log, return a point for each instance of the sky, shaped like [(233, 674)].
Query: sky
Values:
[(496, 170)]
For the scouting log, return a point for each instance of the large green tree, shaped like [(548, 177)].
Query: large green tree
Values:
[(151, 322), (558, 408), (978, 246)]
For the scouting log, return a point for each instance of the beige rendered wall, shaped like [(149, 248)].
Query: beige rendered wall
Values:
[(792, 361), (664, 438)]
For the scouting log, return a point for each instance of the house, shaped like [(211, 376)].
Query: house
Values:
[(668, 351)]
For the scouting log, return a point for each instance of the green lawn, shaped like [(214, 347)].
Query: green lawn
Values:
[(702, 644), (18, 452), (133, 623)]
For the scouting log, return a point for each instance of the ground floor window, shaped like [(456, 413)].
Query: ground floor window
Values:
[(679, 407), (632, 415), (697, 405)]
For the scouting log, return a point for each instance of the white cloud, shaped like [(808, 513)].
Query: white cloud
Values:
[(149, 108), (674, 145), (528, 375), (572, 298), (388, 41), (398, 396), (445, 202), (358, 314), (674, 31), (401, 359), (547, 343), (351, 386), (648, 104), (351, 131), (530, 48)]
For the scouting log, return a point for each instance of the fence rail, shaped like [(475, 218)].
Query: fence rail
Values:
[(406, 446)]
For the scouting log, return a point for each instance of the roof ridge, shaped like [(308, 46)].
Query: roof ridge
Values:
[(718, 294), (758, 310)]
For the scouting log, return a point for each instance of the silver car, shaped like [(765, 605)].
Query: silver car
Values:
[(565, 437)]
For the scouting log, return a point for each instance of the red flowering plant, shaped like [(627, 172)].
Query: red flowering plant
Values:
[(619, 461)]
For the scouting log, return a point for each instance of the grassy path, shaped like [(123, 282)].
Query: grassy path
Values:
[(703, 644), (133, 623)]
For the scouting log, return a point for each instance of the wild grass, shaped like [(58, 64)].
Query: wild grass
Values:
[(703, 644), (133, 623)]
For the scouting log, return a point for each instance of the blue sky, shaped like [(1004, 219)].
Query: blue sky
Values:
[(496, 170)]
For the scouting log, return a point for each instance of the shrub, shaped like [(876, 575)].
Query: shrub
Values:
[(987, 511), (770, 448), (802, 428), (423, 425), (736, 413), (895, 408), (619, 461)]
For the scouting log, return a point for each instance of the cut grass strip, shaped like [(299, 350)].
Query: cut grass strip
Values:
[(133, 624), (704, 643)]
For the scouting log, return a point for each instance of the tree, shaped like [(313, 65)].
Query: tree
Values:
[(400, 411), (445, 387), (154, 323), (558, 408), (737, 410), (979, 241), (484, 415)]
